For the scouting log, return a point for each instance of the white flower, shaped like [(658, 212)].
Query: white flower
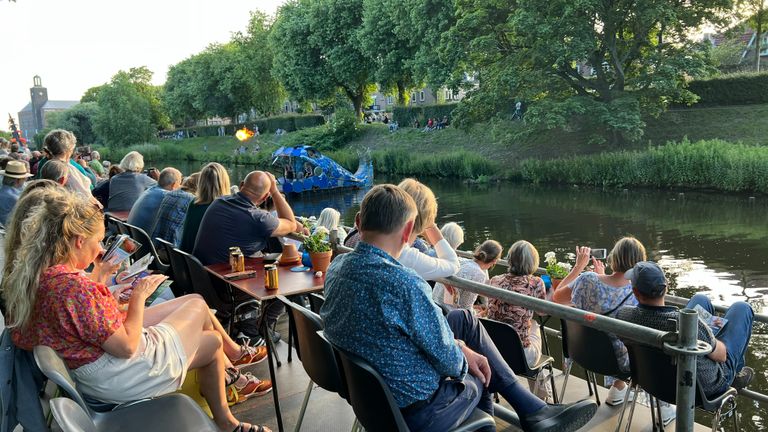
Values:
[(570, 256), (321, 230), (549, 255), (565, 266)]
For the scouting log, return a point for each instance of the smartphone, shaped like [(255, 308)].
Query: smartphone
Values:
[(599, 253)]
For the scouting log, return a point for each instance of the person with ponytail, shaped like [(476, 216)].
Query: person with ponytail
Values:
[(476, 269), (114, 357)]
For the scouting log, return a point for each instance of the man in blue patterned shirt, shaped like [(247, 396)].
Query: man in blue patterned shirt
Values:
[(383, 312)]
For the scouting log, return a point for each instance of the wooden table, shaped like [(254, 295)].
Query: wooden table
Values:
[(120, 215), (289, 284)]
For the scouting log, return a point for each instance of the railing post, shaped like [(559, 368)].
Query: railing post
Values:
[(687, 349)]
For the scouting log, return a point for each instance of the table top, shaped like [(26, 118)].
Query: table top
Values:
[(121, 215), (289, 283)]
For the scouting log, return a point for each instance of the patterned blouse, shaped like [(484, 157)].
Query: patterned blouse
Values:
[(73, 315), (589, 293), (517, 316)]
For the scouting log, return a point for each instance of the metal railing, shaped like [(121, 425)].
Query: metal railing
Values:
[(682, 344)]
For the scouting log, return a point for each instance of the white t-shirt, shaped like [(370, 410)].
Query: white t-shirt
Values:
[(430, 268)]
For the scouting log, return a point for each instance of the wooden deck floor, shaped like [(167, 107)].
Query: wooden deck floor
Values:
[(327, 412)]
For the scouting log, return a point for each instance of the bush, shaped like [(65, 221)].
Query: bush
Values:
[(405, 116), (712, 164), (734, 89), (289, 123), (342, 128)]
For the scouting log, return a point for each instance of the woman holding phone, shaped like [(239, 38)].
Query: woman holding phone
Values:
[(115, 358), (601, 293)]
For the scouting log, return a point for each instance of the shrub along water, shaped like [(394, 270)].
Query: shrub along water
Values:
[(712, 164), (455, 164)]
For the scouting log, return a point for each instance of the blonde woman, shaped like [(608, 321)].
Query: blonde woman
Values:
[(604, 294), (212, 183), (115, 358), (329, 218), (446, 263), (476, 269)]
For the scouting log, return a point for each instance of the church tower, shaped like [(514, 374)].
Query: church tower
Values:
[(38, 96)]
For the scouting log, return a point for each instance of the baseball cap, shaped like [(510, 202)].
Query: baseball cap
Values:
[(648, 278)]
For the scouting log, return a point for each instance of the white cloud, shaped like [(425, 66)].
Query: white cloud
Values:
[(77, 44)]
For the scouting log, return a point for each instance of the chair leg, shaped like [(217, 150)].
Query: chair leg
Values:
[(632, 408), (304, 406), (552, 383), (567, 373), (630, 386), (290, 339), (594, 383)]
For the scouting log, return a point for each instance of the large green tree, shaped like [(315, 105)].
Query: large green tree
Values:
[(79, 120), (124, 115), (317, 50), (610, 61)]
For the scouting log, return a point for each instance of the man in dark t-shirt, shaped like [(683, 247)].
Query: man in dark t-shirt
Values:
[(724, 365), (237, 220)]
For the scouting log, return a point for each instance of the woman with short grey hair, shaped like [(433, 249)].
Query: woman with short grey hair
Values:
[(126, 187), (453, 233), (60, 144), (95, 164)]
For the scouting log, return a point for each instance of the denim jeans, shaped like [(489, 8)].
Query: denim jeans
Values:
[(734, 335), (454, 400)]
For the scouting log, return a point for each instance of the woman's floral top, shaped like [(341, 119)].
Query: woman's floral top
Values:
[(517, 316), (73, 315)]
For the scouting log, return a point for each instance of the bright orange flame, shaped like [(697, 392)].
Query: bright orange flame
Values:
[(243, 134)]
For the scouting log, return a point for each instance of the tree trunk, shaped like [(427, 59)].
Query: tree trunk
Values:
[(401, 93)]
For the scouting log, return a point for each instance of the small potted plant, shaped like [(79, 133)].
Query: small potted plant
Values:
[(556, 270), (319, 249)]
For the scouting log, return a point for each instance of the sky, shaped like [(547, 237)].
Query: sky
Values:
[(77, 44)]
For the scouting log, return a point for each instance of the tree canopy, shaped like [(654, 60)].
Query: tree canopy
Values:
[(124, 115)]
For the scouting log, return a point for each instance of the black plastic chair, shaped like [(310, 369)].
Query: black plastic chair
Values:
[(656, 373), (315, 353), (164, 252), (374, 405), (147, 246), (316, 301), (508, 342), (119, 225), (147, 415), (200, 281), (592, 350), (182, 283)]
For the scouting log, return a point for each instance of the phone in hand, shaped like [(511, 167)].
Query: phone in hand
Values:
[(599, 253)]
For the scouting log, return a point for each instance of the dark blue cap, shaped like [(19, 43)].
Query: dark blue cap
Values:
[(648, 278)]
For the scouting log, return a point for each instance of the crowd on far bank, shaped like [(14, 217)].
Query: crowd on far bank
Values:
[(381, 302)]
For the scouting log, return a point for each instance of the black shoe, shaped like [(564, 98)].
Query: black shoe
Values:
[(561, 418), (743, 378)]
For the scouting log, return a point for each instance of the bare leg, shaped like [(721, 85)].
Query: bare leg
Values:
[(156, 314)]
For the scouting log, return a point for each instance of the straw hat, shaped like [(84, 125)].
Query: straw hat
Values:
[(15, 169)]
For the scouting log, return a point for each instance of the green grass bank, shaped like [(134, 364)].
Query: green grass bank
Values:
[(731, 158)]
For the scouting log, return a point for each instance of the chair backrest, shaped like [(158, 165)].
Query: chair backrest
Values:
[(117, 225), (200, 280), (164, 249), (509, 345), (147, 246), (592, 349), (71, 417), (316, 301), (181, 279), (369, 395), (54, 369), (315, 353)]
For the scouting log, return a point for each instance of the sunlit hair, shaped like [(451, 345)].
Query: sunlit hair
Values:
[(95, 155), (488, 251), (385, 209), (133, 161), (59, 142), (40, 235), (190, 183), (54, 170), (523, 258), (426, 203), (453, 234), (627, 252), (329, 218), (213, 183)]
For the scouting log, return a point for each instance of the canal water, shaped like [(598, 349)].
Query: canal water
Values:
[(707, 242)]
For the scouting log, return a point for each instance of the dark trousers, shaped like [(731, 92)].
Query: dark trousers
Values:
[(734, 335), (455, 399)]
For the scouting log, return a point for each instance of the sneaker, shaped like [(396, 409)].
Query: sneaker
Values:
[(616, 397), (255, 341), (668, 413), (248, 386), (250, 355), (561, 417), (743, 378)]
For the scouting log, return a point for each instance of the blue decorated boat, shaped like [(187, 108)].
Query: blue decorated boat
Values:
[(306, 169)]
